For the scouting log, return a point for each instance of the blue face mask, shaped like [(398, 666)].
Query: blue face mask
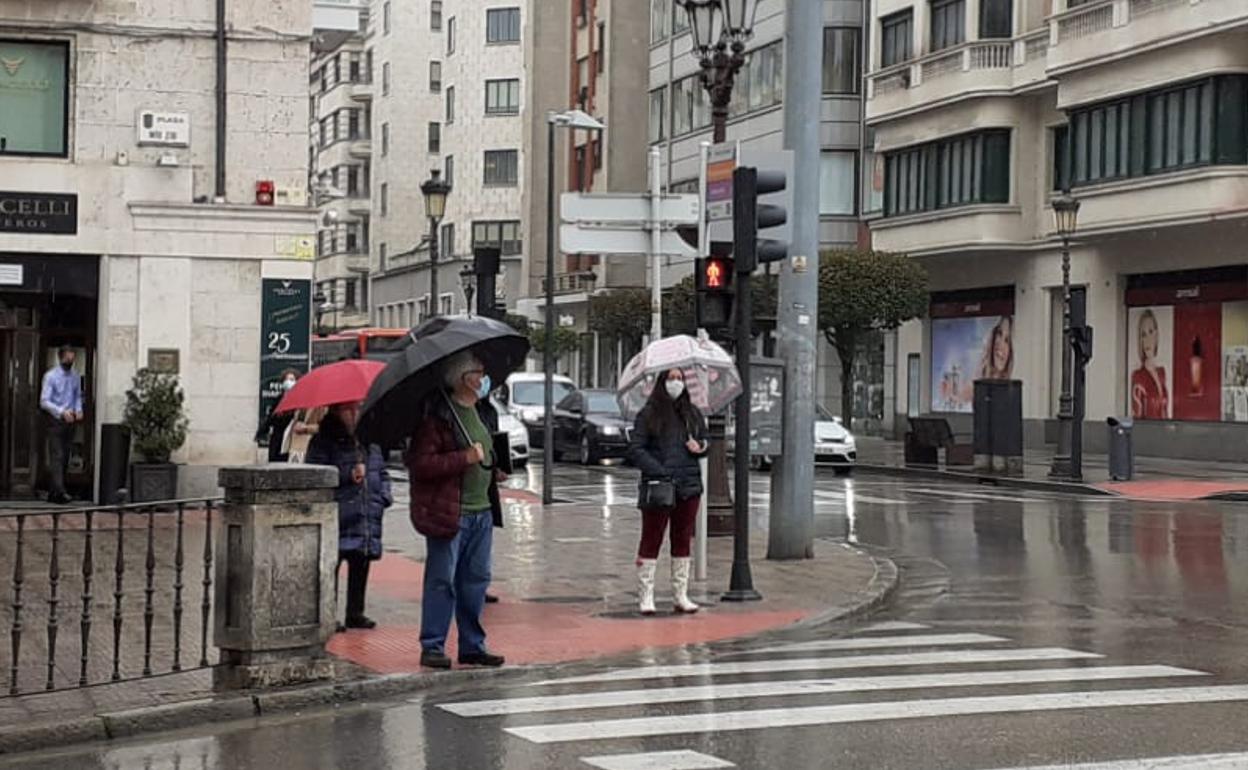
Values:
[(483, 389)]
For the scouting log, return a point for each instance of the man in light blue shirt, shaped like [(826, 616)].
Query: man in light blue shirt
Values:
[(61, 401)]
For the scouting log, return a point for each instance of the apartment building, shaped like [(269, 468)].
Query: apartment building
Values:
[(983, 110), (340, 155), (448, 101), (680, 121), (591, 56), (144, 225)]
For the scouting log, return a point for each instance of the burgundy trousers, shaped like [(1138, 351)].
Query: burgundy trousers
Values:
[(654, 522)]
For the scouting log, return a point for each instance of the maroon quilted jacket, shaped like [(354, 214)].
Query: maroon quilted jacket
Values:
[(436, 461)]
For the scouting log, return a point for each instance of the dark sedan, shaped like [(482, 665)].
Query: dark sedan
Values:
[(588, 426)]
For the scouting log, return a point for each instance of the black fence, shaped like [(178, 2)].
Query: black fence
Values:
[(90, 587)]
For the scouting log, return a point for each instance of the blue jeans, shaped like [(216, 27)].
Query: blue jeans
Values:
[(457, 572)]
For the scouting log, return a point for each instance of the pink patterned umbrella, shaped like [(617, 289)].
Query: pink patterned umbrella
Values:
[(710, 373)]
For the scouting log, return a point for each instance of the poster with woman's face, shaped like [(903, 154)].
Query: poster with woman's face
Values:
[(965, 350), (1150, 346)]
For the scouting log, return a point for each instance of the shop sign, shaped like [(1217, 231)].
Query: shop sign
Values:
[(41, 213), (285, 336)]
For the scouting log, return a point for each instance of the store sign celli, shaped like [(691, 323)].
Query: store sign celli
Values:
[(38, 213)]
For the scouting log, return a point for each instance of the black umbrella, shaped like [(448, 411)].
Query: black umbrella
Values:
[(393, 407)]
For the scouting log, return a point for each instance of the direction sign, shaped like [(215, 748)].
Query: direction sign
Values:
[(576, 239), (621, 208), (720, 163)]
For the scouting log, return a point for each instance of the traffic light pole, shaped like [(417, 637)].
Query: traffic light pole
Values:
[(792, 522)]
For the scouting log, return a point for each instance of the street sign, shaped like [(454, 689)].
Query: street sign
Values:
[(627, 208), (720, 228), (577, 239), (720, 163)]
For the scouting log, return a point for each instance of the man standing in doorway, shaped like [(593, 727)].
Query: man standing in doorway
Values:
[(61, 399)]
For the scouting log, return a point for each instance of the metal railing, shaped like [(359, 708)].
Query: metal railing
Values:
[(1085, 20), (113, 553)]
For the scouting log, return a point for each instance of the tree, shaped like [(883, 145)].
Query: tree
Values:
[(155, 415), (621, 314), (864, 291), (566, 340), (517, 322)]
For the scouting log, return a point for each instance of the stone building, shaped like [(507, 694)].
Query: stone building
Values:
[(983, 112), (130, 225)]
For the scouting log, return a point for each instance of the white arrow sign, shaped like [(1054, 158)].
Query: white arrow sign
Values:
[(628, 208), (574, 239)]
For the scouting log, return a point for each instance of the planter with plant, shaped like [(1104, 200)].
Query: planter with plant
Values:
[(156, 417)]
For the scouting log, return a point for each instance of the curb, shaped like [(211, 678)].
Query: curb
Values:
[(978, 479), (879, 591)]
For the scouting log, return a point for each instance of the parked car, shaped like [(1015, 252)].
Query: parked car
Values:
[(525, 398), (589, 426), (516, 432), (834, 444)]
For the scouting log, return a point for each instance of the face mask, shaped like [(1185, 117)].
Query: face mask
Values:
[(288, 384), (483, 389), (674, 388), (67, 365)]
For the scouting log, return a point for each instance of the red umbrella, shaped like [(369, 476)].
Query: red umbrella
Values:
[(345, 382)]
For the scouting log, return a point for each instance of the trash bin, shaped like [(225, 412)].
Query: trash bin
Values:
[(114, 462), (1121, 453)]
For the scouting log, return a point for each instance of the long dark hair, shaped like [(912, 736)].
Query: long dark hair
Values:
[(667, 415)]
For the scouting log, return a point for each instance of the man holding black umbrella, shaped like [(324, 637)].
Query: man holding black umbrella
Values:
[(455, 505)]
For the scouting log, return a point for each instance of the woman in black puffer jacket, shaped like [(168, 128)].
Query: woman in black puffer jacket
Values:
[(668, 439)]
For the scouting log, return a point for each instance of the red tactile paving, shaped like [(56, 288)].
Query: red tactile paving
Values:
[(1173, 489)]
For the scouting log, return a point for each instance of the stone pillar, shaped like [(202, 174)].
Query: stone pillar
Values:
[(276, 557)]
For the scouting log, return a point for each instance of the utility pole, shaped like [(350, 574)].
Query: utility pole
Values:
[(656, 246), (791, 534)]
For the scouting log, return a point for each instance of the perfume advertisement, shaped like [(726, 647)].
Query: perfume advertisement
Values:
[(1198, 361), (965, 350)]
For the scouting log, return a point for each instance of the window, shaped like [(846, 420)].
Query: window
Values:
[(960, 171), (660, 20), (581, 9), (582, 72), (502, 25), (353, 124), (502, 97), (602, 47), (435, 15), (842, 72), (385, 139), (34, 117), (350, 303), (450, 105), (502, 167), (996, 18), (364, 292), (448, 169), (435, 76), (597, 145), (578, 168), (353, 181), (435, 138), (381, 256), (948, 23), (450, 36), (1061, 157), (504, 236), (385, 78), (446, 304), (385, 199), (897, 38), (837, 182), (690, 110), (447, 240), (761, 83), (423, 305), (656, 114), (353, 68), (385, 18)]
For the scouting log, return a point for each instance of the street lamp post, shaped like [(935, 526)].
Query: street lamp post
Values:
[(720, 29), (435, 189), (1066, 219), (572, 119), (468, 280)]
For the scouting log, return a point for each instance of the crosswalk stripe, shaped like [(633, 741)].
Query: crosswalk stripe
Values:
[(891, 625), (884, 642), (702, 694), (816, 664), (657, 760), (1189, 762), (734, 721)]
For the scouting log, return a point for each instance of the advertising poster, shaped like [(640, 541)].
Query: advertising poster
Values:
[(965, 350), (1197, 393), (1150, 346), (285, 336), (1235, 361)]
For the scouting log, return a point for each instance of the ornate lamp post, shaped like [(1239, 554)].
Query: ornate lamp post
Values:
[(720, 29), (1066, 219), (435, 189)]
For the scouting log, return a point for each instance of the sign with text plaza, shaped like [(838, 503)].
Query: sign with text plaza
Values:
[(38, 213)]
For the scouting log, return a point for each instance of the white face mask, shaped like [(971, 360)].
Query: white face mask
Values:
[(288, 384), (674, 388)]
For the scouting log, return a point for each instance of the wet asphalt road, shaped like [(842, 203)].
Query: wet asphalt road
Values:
[(1036, 629)]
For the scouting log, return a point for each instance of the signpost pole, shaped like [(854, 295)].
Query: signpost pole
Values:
[(656, 247), (704, 249)]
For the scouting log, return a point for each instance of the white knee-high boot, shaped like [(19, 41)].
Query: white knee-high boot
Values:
[(680, 585), (645, 584)]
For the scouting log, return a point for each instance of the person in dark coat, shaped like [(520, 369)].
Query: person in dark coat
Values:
[(363, 494), (455, 505), (669, 437), (273, 432)]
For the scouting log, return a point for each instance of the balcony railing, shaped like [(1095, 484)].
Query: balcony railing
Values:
[(572, 283), (975, 56), (1085, 20)]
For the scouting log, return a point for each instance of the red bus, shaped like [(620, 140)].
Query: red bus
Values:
[(371, 342)]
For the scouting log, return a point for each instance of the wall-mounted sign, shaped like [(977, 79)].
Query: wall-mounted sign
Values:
[(164, 129), (285, 336), (11, 275), (164, 360), (41, 213)]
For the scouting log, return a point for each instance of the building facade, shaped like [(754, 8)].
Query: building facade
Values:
[(680, 122), (983, 111), (591, 59), (129, 224)]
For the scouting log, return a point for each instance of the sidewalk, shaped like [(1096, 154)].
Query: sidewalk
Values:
[(1156, 478), (566, 578)]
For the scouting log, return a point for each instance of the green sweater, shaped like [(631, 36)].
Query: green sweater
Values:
[(474, 495)]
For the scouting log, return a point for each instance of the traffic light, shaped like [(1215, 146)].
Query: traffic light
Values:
[(714, 292), (750, 216)]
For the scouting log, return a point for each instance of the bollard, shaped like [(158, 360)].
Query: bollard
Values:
[(276, 555)]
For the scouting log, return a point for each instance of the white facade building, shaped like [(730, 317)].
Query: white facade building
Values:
[(983, 110), (124, 236)]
